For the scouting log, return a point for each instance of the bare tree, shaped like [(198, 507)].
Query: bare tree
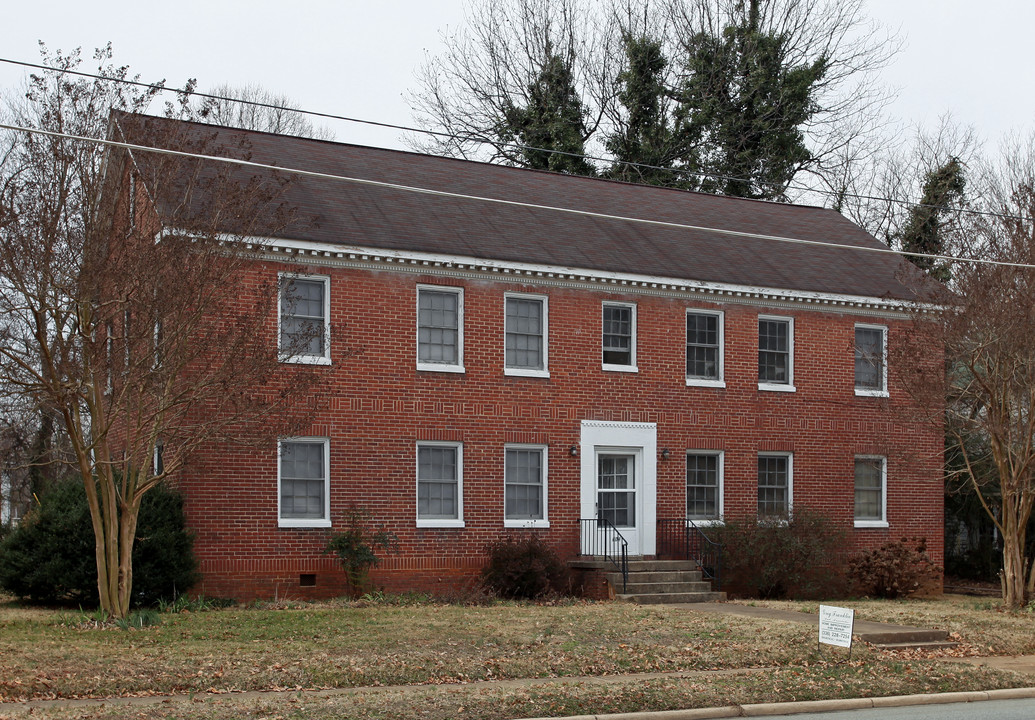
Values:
[(494, 64), (251, 107), (989, 377), (823, 118), (126, 304)]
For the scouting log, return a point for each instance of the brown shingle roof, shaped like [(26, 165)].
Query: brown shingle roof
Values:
[(339, 212)]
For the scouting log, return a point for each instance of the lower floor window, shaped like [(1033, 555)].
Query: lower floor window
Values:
[(439, 485), (524, 484), (703, 486), (774, 486), (304, 482), (869, 490)]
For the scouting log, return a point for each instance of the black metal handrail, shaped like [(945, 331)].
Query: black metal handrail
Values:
[(600, 538), (683, 540)]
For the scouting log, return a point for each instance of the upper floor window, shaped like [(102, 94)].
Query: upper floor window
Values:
[(303, 481), (618, 330), (440, 485), (871, 368), (525, 331), (704, 353), (305, 319), (703, 486), (775, 486), (524, 479), (870, 492), (775, 353), (440, 329)]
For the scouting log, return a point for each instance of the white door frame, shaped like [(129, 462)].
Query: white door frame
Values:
[(640, 439)]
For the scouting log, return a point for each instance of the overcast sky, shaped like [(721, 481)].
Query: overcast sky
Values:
[(359, 58)]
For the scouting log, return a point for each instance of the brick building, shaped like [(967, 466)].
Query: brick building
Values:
[(508, 351)]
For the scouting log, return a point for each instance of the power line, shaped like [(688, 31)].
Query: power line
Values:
[(161, 87), (502, 201)]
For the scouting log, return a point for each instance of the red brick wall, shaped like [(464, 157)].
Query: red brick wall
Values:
[(376, 406)]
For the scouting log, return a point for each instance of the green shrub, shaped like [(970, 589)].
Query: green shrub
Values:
[(772, 558), (356, 546), (524, 567), (49, 557), (895, 569)]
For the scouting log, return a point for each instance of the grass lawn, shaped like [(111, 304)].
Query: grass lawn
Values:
[(443, 652)]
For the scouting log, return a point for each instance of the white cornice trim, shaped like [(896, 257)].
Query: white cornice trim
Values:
[(286, 250)]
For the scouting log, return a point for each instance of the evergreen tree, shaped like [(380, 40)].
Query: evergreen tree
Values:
[(552, 127), (743, 106), (925, 225), (643, 135)]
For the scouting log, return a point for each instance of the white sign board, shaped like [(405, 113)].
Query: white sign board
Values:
[(835, 625)]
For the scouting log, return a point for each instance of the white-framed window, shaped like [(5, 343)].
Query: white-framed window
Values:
[(775, 353), (775, 485), (525, 331), (871, 360), (304, 482), (304, 319), (871, 491), (440, 484), (704, 469), (440, 328), (524, 486), (618, 336), (704, 348)]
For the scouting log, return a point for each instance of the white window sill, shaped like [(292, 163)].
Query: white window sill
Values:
[(518, 372), (300, 523), (703, 382), (770, 387), (619, 368), (704, 523), (871, 393), (432, 367), (871, 523), (440, 523), (306, 359), (529, 524)]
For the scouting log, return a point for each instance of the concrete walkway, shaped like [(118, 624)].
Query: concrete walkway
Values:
[(871, 632)]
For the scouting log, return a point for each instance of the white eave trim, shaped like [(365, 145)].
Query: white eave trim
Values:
[(353, 255)]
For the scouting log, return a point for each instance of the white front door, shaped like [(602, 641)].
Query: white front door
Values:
[(619, 488)]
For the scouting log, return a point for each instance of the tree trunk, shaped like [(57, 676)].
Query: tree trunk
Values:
[(1014, 573)]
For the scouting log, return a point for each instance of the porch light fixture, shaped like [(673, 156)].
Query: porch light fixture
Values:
[(574, 451), (665, 454)]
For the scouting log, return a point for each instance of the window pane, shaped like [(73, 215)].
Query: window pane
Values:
[(524, 331), (523, 484), (302, 320), (702, 346), (774, 351), (869, 358), (302, 480), (438, 323), (773, 486), (869, 487), (438, 489), (618, 335), (702, 487)]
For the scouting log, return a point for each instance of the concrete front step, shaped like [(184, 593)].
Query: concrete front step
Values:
[(666, 577), (673, 597), (635, 587)]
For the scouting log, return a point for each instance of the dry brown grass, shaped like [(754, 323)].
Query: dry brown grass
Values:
[(449, 652)]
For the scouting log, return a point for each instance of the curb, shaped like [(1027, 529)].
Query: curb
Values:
[(811, 706)]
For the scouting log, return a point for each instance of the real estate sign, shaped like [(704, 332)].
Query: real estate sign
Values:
[(835, 625)]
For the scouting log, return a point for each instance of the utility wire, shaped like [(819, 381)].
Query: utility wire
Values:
[(160, 86), (502, 201)]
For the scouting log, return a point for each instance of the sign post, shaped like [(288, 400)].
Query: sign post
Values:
[(835, 626)]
